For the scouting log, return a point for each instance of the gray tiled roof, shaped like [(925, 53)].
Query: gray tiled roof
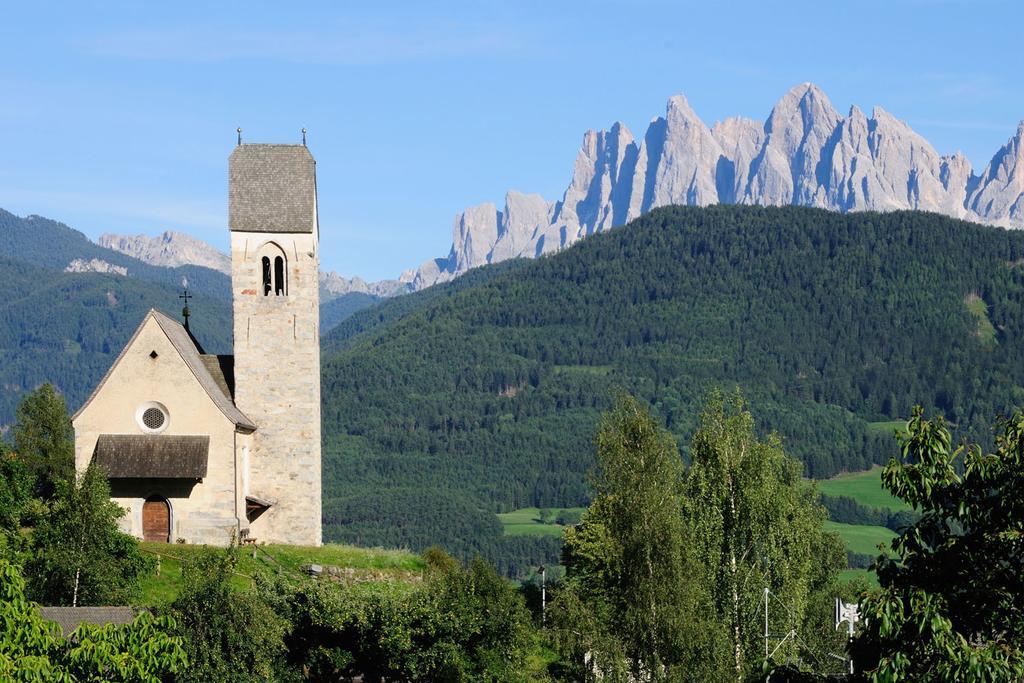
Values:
[(222, 370), (272, 188), (183, 342), (69, 618), (152, 456)]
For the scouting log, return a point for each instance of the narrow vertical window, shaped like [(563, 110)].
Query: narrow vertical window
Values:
[(279, 288), (266, 276)]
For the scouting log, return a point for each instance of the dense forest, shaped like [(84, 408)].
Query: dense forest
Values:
[(443, 408)]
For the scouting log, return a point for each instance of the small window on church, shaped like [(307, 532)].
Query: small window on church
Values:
[(152, 417), (266, 276), (279, 288)]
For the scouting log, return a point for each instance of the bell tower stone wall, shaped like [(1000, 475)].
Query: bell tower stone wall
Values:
[(276, 300)]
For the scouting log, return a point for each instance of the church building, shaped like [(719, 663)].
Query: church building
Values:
[(200, 446)]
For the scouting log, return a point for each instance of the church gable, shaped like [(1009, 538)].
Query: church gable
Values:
[(161, 363), (162, 359)]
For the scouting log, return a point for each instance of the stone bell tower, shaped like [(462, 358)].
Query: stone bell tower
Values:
[(275, 289)]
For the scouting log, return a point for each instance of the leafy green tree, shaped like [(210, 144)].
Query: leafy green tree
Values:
[(79, 556), (32, 649), (627, 564), (44, 438), (950, 606), (17, 505), (463, 623), (756, 525), (16, 487), (229, 635)]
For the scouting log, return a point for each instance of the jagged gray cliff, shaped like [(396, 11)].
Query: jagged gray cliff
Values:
[(804, 153), (168, 250)]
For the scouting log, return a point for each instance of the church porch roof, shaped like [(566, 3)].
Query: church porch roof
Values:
[(152, 456), (70, 618)]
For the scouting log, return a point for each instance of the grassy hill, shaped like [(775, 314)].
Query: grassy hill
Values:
[(482, 397), (864, 487), (361, 564)]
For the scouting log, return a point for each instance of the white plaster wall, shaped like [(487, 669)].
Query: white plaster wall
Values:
[(204, 512)]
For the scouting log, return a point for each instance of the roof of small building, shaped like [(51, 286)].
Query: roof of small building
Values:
[(222, 370), (152, 456), (214, 373), (272, 188), (69, 618)]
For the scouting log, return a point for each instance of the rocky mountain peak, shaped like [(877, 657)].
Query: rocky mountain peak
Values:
[(169, 249), (804, 153)]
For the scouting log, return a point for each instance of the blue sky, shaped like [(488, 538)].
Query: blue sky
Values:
[(120, 118)]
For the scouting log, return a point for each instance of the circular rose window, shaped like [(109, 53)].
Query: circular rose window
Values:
[(151, 417)]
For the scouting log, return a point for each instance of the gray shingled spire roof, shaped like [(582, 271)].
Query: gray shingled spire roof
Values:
[(272, 188)]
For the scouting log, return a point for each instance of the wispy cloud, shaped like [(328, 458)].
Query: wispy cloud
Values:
[(342, 45)]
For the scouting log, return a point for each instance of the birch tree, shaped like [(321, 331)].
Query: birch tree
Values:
[(80, 557), (755, 525), (629, 599)]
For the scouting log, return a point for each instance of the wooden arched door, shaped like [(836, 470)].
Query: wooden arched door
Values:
[(156, 519)]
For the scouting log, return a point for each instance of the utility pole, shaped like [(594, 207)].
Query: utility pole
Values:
[(847, 612), (544, 595), (766, 622)]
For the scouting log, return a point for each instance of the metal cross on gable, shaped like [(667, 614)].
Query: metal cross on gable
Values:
[(185, 312)]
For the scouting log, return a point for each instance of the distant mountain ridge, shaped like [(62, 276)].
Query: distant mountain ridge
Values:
[(805, 153), (171, 249), (168, 249)]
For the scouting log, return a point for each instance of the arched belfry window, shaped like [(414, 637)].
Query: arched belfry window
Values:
[(267, 281), (279, 283), (274, 270)]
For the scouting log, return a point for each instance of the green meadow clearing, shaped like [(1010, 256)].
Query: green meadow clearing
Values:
[(861, 538), (863, 487), (360, 564), (527, 522)]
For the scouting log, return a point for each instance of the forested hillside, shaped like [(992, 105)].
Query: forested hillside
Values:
[(67, 328), (443, 409), (50, 244)]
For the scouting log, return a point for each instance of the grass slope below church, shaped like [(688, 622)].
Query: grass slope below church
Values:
[(469, 400), (361, 564)]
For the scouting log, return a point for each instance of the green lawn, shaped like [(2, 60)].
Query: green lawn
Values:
[(848, 575), (864, 487), (886, 427), (366, 564), (527, 522), (860, 538)]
